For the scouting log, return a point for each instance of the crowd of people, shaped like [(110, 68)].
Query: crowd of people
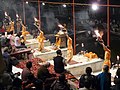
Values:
[(102, 81), (28, 81), (47, 81), (44, 79), (115, 26)]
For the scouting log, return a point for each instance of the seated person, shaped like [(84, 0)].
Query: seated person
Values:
[(104, 79), (117, 79), (44, 75), (5, 81), (18, 41), (60, 84), (43, 72), (10, 47), (11, 37), (3, 39), (87, 80), (26, 71), (16, 84), (22, 40), (59, 62), (32, 83), (9, 61)]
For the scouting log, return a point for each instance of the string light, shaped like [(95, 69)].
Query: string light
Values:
[(64, 5), (94, 7), (26, 2), (43, 3)]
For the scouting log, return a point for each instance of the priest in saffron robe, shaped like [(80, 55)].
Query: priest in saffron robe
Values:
[(58, 42), (12, 26), (41, 39), (107, 55), (24, 32), (69, 49)]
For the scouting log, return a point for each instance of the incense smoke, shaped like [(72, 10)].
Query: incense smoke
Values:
[(83, 20), (13, 7), (51, 21)]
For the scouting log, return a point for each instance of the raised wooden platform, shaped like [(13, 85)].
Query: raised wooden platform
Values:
[(33, 43), (28, 36), (48, 53), (26, 50), (79, 63), (19, 52)]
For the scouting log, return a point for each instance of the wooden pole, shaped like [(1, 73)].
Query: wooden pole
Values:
[(24, 12), (39, 16), (108, 22), (73, 12)]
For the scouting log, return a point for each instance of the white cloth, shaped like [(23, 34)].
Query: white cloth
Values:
[(17, 41), (83, 88), (11, 37)]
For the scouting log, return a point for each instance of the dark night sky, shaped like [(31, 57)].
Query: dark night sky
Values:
[(83, 1), (86, 1)]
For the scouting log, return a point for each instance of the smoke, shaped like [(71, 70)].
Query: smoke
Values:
[(13, 7), (51, 21), (30, 11), (83, 20), (82, 15), (8, 6)]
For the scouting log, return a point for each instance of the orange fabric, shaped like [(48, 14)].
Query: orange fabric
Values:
[(107, 57), (41, 39), (24, 32), (12, 26), (69, 49), (58, 42), (8, 28), (107, 62), (91, 55)]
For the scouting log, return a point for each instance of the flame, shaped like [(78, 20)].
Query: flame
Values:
[(82, 44), (59, 25), (6, 14), (35, 19), (97, 33), (17, 15), (118, 57)]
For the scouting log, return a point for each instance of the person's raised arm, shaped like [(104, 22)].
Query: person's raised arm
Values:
[(105, 47)]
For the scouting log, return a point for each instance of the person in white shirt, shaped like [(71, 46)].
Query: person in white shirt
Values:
[(18, 42), (12, 38)]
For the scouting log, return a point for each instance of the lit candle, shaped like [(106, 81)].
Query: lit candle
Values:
[(97, 33), (6, 14), (35, 19), (118, 57), (59, 25), (17, 15), (82, 44)]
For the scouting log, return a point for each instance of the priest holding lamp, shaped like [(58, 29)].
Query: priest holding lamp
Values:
[(40, 37), (7, 22), (107, 50)]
